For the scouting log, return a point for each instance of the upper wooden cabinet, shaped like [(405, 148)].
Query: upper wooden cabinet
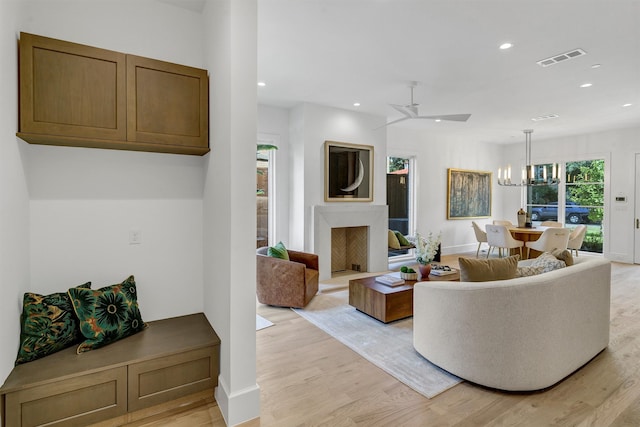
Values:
[(166, 103), (77, 95)]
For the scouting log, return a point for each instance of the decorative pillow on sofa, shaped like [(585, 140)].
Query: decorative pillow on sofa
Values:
[(563, 255), (482, 270), (107, 314), (548, 262), (48, 324), (278, 251), (401, 239), (528, 270), (393, 242)]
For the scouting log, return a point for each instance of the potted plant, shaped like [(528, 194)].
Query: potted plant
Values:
[(408, 273), (426, 249)]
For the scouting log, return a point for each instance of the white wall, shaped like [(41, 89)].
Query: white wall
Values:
[(435, 152), (229, 202), (14, 199), (148, 28), (311, 126)]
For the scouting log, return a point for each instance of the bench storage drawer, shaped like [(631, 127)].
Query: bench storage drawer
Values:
[(73, 402), (161, 380)]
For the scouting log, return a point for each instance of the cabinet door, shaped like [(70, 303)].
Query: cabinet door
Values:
[(166, 378), (77, 401), (167, 104), (71, 90)]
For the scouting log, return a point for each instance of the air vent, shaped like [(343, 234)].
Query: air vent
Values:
[(561, 57), (545, 117)]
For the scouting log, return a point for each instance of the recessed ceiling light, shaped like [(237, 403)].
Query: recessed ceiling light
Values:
[(505, 46), (627, 105), (596, 66), (356, 104), (545, 117), (438, 120), (262, 84), (586, 85)]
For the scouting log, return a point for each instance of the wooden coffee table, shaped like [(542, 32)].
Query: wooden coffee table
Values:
[(387, 303)]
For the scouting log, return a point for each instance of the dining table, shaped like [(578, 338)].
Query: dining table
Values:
[(527, 234)]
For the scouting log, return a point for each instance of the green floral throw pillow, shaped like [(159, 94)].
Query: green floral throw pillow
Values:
[(278, 251), (48, 324), (107, 314)]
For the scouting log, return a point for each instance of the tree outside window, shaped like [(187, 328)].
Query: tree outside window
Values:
[(583, 202)]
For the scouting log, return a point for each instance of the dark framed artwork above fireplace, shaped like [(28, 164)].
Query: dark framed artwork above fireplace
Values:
[(348, 172)]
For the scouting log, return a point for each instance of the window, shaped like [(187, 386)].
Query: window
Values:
[(264, 194), (400, 197), (584, 190), (579, 199)]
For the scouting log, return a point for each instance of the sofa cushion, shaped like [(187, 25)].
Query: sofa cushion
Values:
[(107, 314), (563, 255), (393, 242), (401, 239), (482, 270), (278, 251), (548, 262), (47, 324)]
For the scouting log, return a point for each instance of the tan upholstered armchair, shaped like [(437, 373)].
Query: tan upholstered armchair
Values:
[(286, 283)]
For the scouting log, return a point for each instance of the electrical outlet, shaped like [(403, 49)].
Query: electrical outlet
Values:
[(135, 236)]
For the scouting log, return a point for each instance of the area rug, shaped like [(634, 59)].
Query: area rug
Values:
[(388, 346), (262, 323)]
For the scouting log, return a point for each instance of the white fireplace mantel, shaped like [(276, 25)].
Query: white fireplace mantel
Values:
[(326, 217)]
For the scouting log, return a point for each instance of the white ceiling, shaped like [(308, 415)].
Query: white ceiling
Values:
[(337, 52)]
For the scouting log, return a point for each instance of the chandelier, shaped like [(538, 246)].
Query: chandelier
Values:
[(547, 174)]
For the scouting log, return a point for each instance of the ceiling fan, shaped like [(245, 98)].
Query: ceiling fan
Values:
[(410, 111)]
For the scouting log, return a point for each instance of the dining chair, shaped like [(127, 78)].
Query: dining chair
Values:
[(552, 238), (576, 237), (551, 224), (481, 237), (502, 222), (498, 236)]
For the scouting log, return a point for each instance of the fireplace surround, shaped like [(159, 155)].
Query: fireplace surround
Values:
[(327, 217)]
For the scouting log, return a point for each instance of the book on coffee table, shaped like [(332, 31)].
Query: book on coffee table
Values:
[(390, 280), (437, 272)]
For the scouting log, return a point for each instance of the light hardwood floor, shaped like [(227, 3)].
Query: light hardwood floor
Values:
[(308, 378)]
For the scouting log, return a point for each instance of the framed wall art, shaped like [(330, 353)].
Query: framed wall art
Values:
[(468, 194), (348, 172)]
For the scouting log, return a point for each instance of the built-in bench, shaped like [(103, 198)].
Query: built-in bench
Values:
[(169, 360)]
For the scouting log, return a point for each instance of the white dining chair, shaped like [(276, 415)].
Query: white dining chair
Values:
[(552, 238), (498, 236), (576, 237), (551, 224), (481, 237)]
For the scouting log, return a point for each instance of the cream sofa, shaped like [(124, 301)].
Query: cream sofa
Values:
[(519, 334)]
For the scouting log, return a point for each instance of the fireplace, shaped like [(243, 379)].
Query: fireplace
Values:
[(349, 249), (372, 218)]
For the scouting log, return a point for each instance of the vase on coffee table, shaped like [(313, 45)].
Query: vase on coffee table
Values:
[(425, 270)]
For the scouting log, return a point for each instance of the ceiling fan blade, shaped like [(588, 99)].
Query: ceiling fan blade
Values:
[(392, 122), (450, 117), (409, 111)]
